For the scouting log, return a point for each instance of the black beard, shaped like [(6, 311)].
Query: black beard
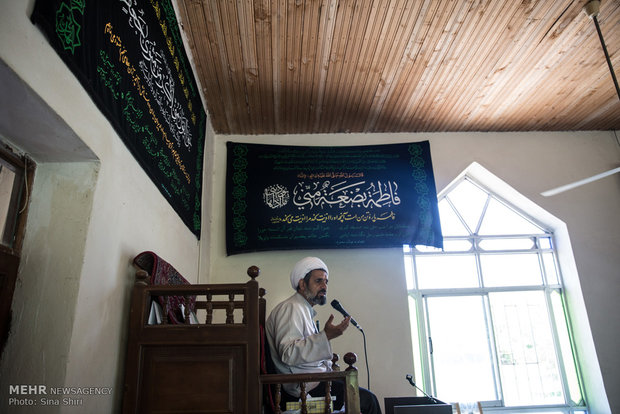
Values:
[(317, 300)]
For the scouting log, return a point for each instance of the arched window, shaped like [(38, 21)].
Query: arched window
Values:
[(488, 311)]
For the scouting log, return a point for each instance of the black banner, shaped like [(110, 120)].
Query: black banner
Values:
[(294, 197), (129, 56)]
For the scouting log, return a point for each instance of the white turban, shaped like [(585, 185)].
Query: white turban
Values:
[(305, 266)]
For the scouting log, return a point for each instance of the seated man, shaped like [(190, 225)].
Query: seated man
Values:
[(297, 345)]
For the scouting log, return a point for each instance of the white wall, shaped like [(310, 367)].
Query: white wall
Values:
[(370, 282), (73, 288)]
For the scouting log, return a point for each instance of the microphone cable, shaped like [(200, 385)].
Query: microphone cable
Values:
[(366, 358)]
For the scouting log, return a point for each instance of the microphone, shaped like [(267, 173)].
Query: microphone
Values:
[(336, 305), (410, 379)]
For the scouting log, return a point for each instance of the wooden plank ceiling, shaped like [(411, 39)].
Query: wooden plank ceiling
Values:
[(327, 66)]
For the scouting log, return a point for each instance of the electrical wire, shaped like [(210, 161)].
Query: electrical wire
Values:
[(25, 185)]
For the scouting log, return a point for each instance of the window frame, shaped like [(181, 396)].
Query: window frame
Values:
[(423, 364)]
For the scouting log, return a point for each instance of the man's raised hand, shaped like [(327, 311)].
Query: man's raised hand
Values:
[(333, 331)]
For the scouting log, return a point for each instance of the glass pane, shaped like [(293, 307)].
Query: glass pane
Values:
[(544, 242), (446, 271), (451, 225), (462, 360), (566, 349), (510, 269), (448, 246), (469, 201), (456, 245), (506, 244), (528, 367), (500, 220), (551, 268)]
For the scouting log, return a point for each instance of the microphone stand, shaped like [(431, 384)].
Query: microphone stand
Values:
[(410, 379), (365, 348), (336, 305)]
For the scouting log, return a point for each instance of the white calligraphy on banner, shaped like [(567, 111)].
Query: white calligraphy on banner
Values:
[(345, 194), (159, 78)]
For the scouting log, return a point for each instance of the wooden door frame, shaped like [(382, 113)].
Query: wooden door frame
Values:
[(10, 255)]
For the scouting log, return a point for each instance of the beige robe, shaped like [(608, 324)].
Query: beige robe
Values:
[(295, 343)]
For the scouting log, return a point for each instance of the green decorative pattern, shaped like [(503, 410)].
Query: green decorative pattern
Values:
[(420, 184), (67, 27), (239, 193), (198, 178)]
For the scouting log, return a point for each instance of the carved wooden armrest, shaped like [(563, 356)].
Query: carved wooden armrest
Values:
[(348, 376)]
